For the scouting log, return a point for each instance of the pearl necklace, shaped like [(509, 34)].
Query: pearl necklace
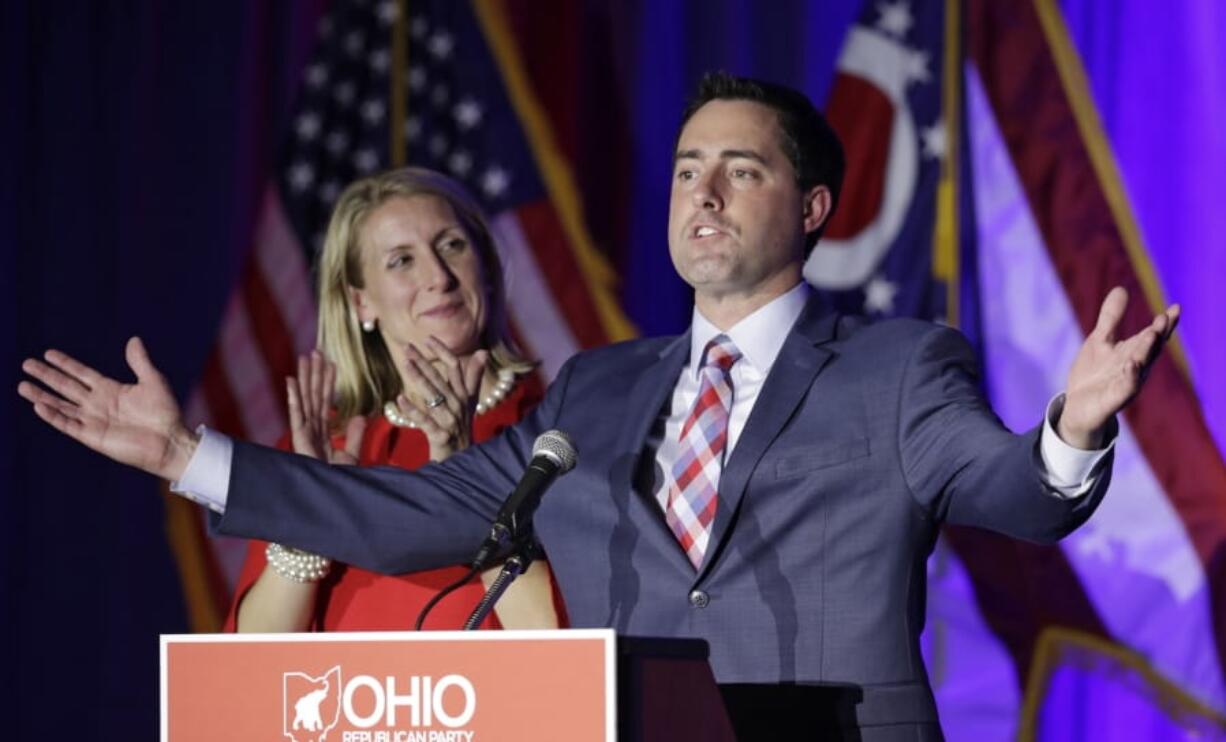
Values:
[(506, 382)]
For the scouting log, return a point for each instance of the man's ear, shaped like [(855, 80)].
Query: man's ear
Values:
[(816, 209)]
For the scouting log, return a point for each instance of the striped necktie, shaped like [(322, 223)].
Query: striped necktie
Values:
[(704, 435)]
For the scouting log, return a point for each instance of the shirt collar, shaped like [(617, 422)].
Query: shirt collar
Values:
[(759, 336)]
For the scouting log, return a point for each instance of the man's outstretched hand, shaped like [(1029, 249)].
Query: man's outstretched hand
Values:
[(137, 424), (1108, 372)]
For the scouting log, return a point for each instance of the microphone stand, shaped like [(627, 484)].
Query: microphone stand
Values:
[(553, 454), (523, 552)]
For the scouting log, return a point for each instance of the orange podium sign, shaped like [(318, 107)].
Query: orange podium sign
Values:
[(390, 686)]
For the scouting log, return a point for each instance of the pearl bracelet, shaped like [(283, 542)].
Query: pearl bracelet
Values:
[(296, 565)]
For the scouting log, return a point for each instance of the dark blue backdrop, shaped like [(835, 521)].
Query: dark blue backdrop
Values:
[(140, 133)]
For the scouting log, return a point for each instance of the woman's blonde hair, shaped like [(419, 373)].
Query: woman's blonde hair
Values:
[(366, 374)]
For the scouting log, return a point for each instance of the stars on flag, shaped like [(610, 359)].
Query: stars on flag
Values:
[(440, 45), (328, 191), (879, 295), (417, 78), (934, 140), (366, 161), (412, 128), (345, 93), (895, 18), (307, 126), (438, 145), (894, 23), (460, 163), (440, 95), (419, 27), (354, 43), (467, 113), (301, 176), (373, 111), (917, 66), (495, 181), (380, 60), (316, 75), (340, 130), (336, 143), (447, 117), (387, 12)]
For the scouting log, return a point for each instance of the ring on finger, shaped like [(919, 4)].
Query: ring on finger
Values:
[(436, 401)]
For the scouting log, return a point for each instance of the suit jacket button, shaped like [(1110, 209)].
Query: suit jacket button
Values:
[(699, 599)]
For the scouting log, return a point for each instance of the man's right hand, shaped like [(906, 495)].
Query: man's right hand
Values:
[(137, 424)]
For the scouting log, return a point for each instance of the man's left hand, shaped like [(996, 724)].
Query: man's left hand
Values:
[(1107, 372)]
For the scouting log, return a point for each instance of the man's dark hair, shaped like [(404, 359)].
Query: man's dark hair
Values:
[(807, 138)]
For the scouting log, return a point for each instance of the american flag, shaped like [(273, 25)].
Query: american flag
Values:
[(982, 193), (440, 87)]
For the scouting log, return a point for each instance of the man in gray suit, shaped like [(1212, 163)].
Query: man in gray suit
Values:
[(772, 481)]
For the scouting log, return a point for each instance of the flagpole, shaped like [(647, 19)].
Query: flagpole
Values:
[(945, 236), (400, 62)]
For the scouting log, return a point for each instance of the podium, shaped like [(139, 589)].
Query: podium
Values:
[(504, 686)]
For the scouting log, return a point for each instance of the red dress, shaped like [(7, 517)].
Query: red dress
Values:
[(353, 599)]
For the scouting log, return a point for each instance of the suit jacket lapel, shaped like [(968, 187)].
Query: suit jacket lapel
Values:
[(800, 360), (650, 391)]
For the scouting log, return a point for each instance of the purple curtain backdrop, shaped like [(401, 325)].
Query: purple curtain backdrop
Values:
[(1158, 75)]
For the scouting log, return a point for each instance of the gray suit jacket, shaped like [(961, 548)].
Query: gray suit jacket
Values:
[(863, 441)]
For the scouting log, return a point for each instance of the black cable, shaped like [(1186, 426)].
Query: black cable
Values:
[(425, 611)]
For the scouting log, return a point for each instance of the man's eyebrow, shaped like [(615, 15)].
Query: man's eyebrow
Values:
[(727, 154), (742, 154)]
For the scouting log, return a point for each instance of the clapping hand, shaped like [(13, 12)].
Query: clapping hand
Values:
[(310, 401), (1107, 372), (137, 424), (442, 395)]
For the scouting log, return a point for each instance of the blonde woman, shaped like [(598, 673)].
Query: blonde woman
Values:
[(413, 320)]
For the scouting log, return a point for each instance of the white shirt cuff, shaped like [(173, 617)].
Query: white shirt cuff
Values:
[(1069, 472), (206, 480)]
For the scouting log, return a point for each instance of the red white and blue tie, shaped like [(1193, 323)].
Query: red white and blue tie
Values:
[(704, 435)]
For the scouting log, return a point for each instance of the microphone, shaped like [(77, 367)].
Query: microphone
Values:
[(553, 454)]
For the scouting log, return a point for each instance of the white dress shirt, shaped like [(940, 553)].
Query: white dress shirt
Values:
[(1069, 472)]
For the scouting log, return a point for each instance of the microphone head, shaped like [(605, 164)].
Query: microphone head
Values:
[(558, 448)]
